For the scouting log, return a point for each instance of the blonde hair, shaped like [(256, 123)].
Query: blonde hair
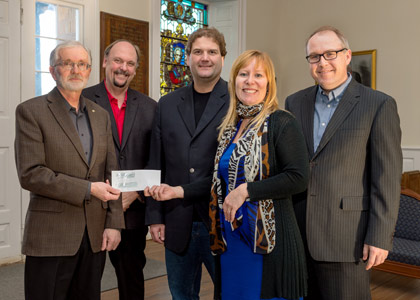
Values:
[(270, 102)]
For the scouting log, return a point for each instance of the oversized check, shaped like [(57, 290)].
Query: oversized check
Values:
[(135, 180)]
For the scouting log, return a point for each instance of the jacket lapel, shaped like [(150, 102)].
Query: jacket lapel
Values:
[(101, 98), (350, 99), (61, 114), (186, 109), (213, 106), (130, 114), (308, 110), (95, 131)]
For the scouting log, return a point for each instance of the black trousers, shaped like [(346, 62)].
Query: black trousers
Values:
[(128, 261), (75, 277), (338, 281)]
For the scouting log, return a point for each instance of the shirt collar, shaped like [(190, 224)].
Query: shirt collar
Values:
[(114, 100), (82, 104), (335, 94)]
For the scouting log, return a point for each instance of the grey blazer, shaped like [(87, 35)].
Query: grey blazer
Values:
[(353, 193), (51, 164)]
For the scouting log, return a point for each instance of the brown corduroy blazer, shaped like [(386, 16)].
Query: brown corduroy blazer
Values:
[(51, 164)]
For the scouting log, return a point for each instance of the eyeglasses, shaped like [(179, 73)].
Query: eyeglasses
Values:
[(68, 65), (119, 61), (329, 55)]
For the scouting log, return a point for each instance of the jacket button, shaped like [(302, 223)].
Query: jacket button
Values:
[(192, 170)]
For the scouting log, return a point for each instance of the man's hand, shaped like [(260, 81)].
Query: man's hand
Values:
[(104, 191), (234, 200), (164, 192), (111, 239), (374, 256), (157, 231), (128, 198)]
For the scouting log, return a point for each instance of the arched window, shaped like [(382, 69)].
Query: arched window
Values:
[(178, 19)]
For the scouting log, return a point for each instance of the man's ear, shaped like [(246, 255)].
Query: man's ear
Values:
[(104, 62), (52, 72)]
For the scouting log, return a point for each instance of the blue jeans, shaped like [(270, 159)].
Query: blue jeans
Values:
[(184, 270)]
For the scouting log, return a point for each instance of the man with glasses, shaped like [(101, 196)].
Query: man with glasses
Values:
[(347, 215), (131, 115), (64, 157)]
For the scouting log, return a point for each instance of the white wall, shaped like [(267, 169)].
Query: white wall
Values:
[(135, 9), (281, 27)]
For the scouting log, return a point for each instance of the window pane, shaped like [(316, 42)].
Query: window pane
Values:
[(43, 48), (68, 23), (45, 19), (44, 83)]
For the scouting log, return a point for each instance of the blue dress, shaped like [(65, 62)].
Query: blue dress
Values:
[(241, 268)]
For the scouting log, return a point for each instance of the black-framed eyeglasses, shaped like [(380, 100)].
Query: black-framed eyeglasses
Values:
[(68, 65), (329, 55)]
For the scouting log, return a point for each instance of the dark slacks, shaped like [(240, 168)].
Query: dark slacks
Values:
[(332, 280), (128, 261), (75, 277), (338, 281)]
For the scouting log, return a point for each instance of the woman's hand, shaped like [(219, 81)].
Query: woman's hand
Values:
[(234, 200), (164, 192)]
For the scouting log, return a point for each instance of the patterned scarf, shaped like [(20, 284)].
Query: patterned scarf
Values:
[(246, 112), (248, 163)]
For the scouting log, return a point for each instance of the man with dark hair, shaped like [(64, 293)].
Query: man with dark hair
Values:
[(348, 214), (131, 121), (64, 157), (184, 142)]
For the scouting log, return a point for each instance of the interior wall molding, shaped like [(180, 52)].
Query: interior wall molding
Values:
[(411, 158)]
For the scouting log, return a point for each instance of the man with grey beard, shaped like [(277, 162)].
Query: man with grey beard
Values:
[(64, 156)]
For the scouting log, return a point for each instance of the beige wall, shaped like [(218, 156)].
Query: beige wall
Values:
[(135, 9), (392, 27)]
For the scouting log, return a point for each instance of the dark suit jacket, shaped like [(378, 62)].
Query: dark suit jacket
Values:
[(354, 187), (51, 164), (185, 154), (133, 152)]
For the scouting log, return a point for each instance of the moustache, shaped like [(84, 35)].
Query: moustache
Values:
[(119, 72), (75, 77)]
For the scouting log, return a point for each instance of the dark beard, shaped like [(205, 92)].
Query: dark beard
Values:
[(120, 85)]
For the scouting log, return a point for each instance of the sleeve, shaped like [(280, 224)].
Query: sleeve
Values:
[(291, 165), (115, 214), (386, 169), (198, 190), (33, 172), (154, 209)]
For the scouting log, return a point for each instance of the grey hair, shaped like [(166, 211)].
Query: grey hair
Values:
[(54, 57)]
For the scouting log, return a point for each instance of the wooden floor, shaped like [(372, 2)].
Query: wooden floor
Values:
[(384, 286)]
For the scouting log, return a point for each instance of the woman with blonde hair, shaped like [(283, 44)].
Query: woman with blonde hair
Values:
[(260, 162)]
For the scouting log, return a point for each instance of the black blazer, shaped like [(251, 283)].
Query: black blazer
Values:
[(354, 187), (133, 153), (185, 154)]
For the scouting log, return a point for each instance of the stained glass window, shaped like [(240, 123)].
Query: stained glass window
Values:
[(178, 19)]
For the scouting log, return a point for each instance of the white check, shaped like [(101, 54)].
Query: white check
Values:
[(135, 180)]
